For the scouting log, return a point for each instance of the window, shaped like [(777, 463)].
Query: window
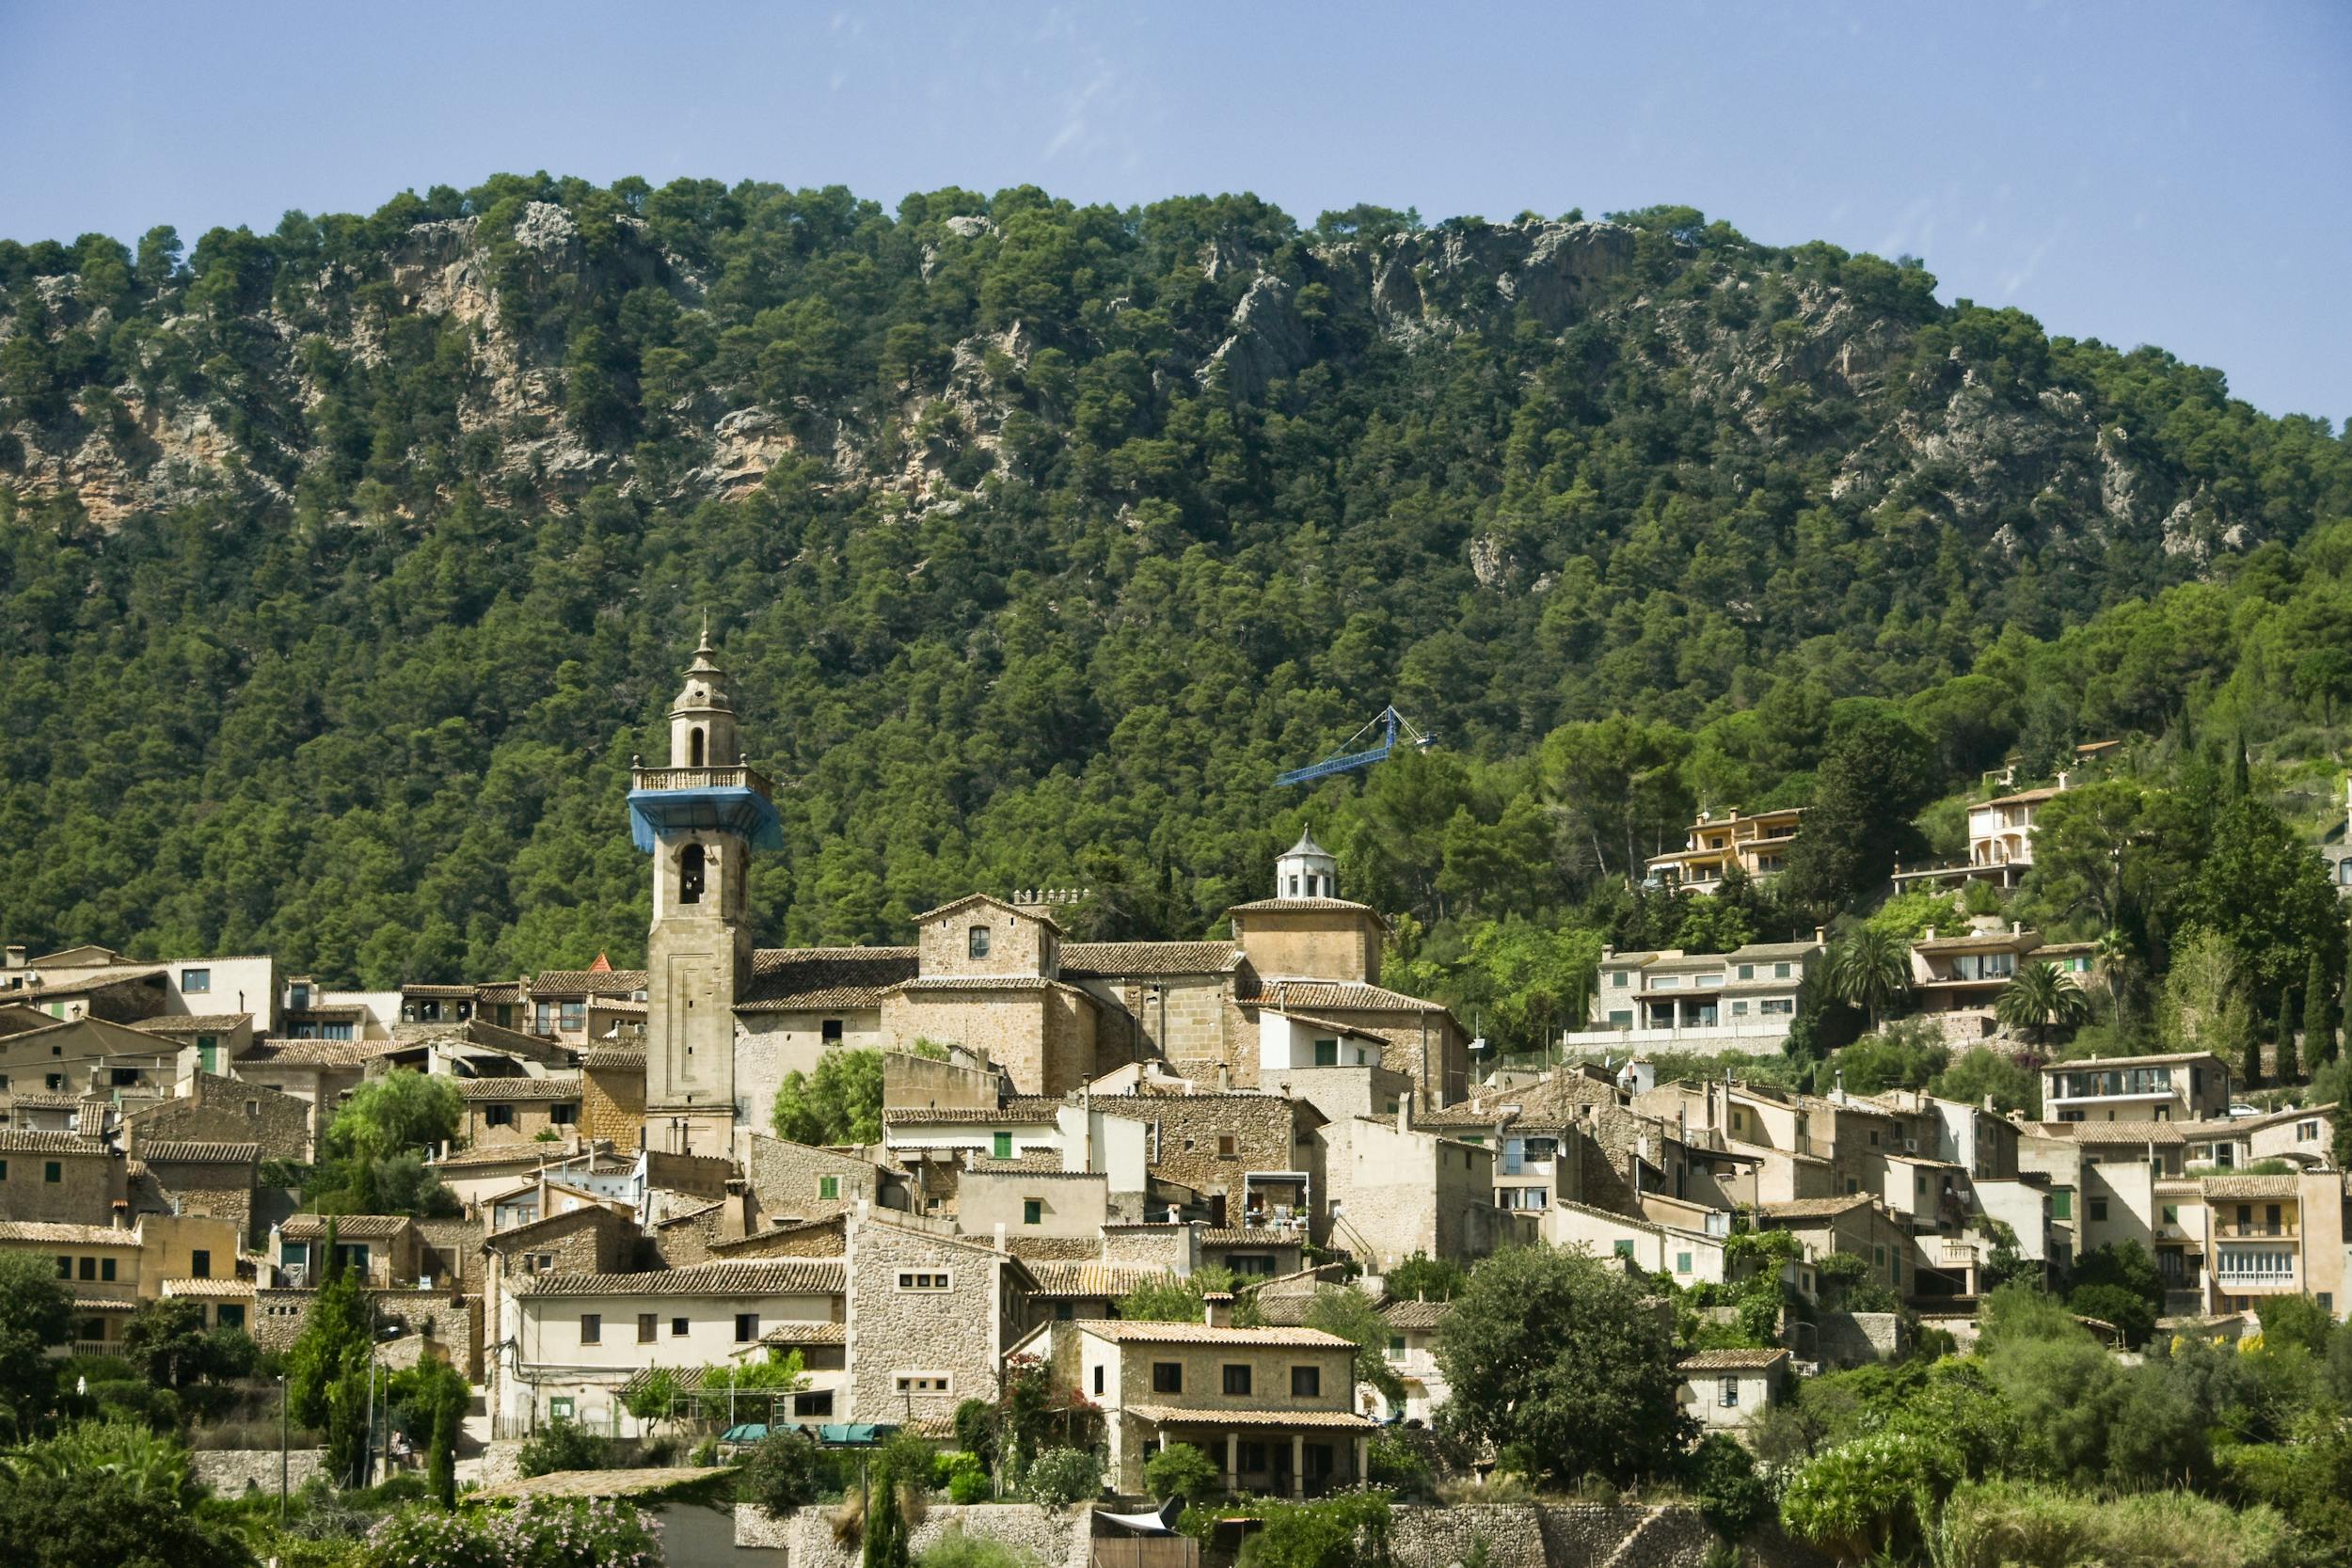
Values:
[(3, 1170), (51, 1172), (200, 1264), (196, 981), (2306, 1132), (1227, 1145), (746, 1327), (923, 1382), (1624, 1247), (2098, 1210), (1252, 1458), (497, 1115), (829, 1033), (1878, 1255), (1739, 1009), (65, 1268), (828, 1187), (106, 1270), (1780, 972), (1727, 1393), (1098, 1381), (559, 1407), (1306, 1383), (1682, 1263), (563, 1114), (1327, 1052), (1167, 1377), (2061, 1206), (1619, 979), (89, 1268), (1001, 1146), (1237, 1377), (574, 1016), (975, 942), (207, 1052), (56, 1081), (648, 1325), (2171, 1213), (1396, 1347), (679, 1328), (230, 1314), (805, 1405), (1032, 1211), (1874, 1137), (691, 870), (1747, 972), (592, 1328), (694, 747), (923, 1280)]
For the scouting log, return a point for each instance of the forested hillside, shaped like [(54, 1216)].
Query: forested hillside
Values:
[(345, 566)]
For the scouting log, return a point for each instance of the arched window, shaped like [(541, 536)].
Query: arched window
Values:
[(690, 866), (694, 747)]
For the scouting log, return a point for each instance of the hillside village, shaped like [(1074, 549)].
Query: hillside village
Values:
[(1018, 1150)]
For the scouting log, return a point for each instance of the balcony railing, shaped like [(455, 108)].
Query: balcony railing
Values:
[(741, 776), (98, 1347), (2256, 1227)]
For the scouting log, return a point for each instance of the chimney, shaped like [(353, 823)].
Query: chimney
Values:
[(1405, 1112), (1216, 1309), (2016, 928), (1841, 1086), (1930, 936), (16, 949), (1000, 1235), (1988, 1106), (121, 1213), (1821, 936)]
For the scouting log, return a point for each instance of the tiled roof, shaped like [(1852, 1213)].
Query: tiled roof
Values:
[(1143, 1333), (18, 1140), (813, 979), (1032, 912), (1253, 1235), (1021, 1110), (461, 992), (801, 1333), (2252, 1186), (1305, 906), (2164, 1134), (1209, 1416), (509, 991), (1417, 1315), (767, 1276), (565, 1087), (1115, 960), (1107, 1280), (981, 982), (505, 1154), (192, 1024), (1342, 996), (1970, 941), (1814, 1208), (1036, 1161), (41, 1099), (75, 1235), (615, 1058), (2100, 1064), (104, 1304), (211, 1290), (587, 982), (1732, 1360), (279, 1052), (362, 1228), (193, 1153)]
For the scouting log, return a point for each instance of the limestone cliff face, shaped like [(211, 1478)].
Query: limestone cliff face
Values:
[(1815, 377)]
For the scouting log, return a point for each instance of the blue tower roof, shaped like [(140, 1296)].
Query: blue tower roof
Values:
[(739, 809)]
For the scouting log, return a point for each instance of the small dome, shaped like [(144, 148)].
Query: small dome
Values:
[(1307, 845)]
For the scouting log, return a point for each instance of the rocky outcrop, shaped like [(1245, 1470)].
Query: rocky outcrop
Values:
[(1269, 342)]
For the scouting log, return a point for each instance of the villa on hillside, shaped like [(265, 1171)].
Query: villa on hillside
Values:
[(1758, 845)]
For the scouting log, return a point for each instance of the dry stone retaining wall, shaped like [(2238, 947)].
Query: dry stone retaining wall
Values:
[(231, 1472), (1056, 1539)]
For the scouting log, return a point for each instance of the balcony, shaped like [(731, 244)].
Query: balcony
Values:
[(741, 776), (2256, 1227)]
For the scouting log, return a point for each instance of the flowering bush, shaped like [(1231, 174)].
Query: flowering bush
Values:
[(541, 1533)]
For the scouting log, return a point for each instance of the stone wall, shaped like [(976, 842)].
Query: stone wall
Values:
[(1858, 1338), (229, 1110), (613, 1103), (233, 1472), (89, 1179), (1053, 1538), (1516, 1535), (1263, 1127), (788, 1178)]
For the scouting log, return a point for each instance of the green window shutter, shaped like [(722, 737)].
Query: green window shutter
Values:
[(1002, 1146)]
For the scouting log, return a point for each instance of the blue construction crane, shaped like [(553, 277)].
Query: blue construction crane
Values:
[(1393, 726)]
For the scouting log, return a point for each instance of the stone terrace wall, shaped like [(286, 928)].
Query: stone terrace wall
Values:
[(231, 1472), (1516, 1535), (1054, 1539)]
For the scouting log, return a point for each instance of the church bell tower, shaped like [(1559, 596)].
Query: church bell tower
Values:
[(700, 817)]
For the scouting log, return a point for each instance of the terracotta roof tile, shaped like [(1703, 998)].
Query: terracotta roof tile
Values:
[(282, 1052), (194, 1153), (1110, 1281), (1339, 996), (818, 979), (365, 1227), (18, 1140), (587, 982), (192, 1024), (1417, 1316), (1732, 1360), (1143, 1333), (1814, 1208), (1210, 1415), (767, 1276), (554, 1087), (1117, 959), (73, 1235)]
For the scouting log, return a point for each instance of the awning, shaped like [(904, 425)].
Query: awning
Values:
[(853, 1434)]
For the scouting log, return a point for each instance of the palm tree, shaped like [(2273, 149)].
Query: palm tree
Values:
[(1870, 968), (2039, 997)]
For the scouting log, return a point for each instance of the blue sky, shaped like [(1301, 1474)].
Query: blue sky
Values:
[(2147, 173)]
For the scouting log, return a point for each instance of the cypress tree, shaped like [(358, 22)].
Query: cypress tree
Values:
[(2290, 1064), (443, 1464), (2319, 1017)]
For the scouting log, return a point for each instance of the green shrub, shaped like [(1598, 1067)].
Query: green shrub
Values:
[(1182, 1470), (1060, 1477), (964, 1476), (1870, 1494), (955, 1550), (1732, 1497), (543, 1532), (563, 1444), (2010, 1525), (785, 1470)]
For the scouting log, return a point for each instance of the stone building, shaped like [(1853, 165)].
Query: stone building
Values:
[(204, 1178), (58, 1176), (1396, 1190), (1726, 1389), (218, 1109), (612, 1094), (385, 1249), (932, 1316), (519, 1110), (1273, 1406), (1254, 1155)]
